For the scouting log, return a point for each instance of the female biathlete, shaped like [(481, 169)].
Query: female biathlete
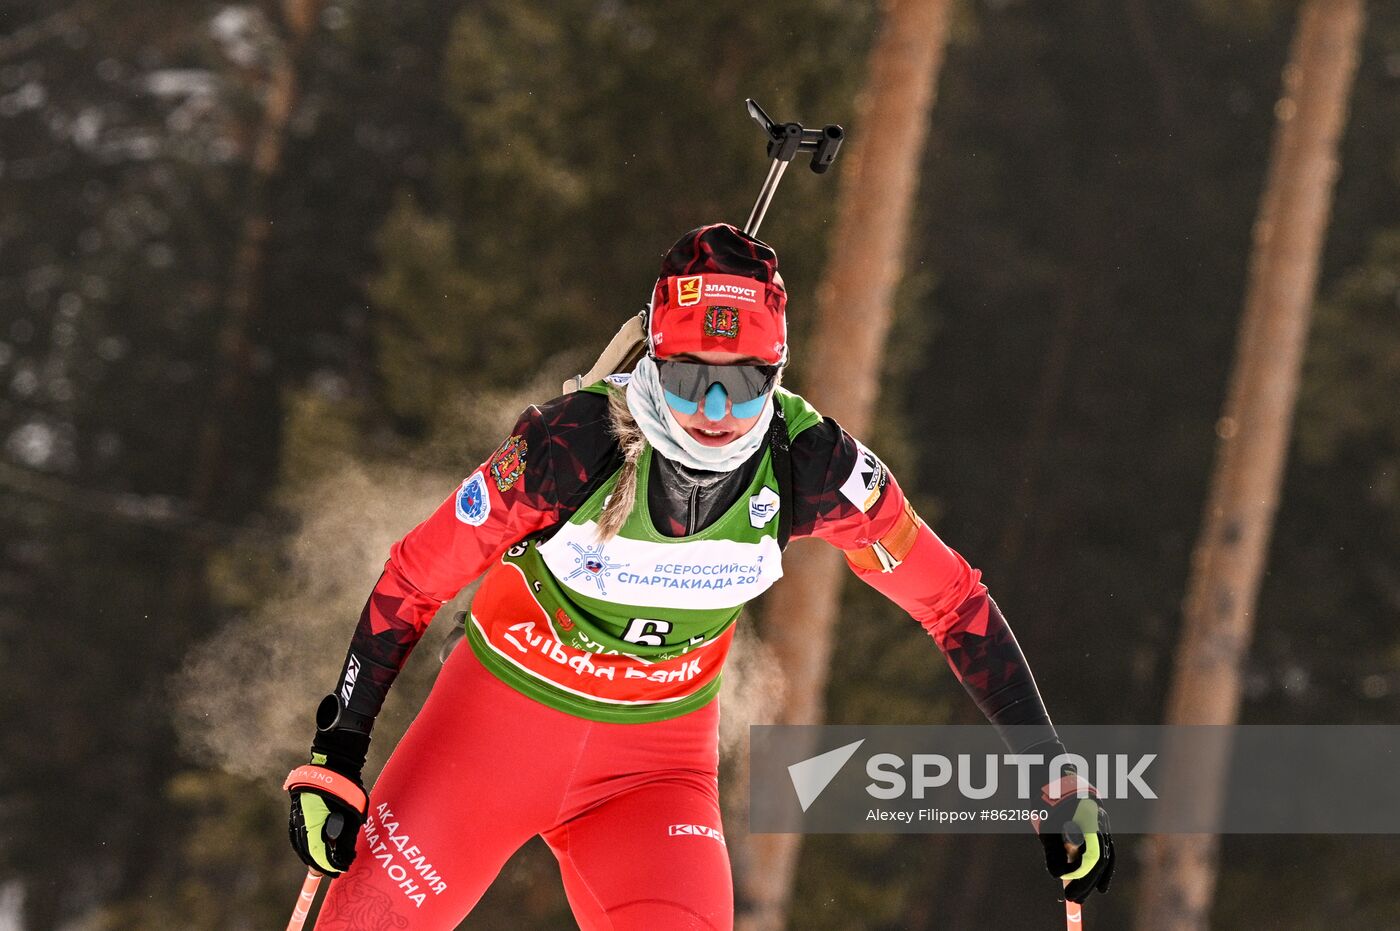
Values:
[(621, 529)]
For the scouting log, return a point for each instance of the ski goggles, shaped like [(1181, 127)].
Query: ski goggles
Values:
[(688, 385)]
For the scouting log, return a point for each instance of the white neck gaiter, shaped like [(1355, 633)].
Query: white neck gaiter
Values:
[(648, 406)]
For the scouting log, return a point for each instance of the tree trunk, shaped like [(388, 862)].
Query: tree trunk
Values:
[(853, 317), (243, 306), (1179, 874)]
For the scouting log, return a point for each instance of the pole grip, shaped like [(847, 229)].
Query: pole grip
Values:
[(304, 900)]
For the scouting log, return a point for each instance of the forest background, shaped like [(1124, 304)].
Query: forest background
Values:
[(274, 278)]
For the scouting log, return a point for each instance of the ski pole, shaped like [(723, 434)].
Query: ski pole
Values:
[(304, 900), (1074, 912)]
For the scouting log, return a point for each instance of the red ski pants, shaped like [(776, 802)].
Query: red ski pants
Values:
[(631, 811)]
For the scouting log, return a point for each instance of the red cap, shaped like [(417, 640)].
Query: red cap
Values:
[(719, 290)]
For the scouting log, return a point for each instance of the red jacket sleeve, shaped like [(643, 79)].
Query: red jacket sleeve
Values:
[(531, 482), (495, 506)]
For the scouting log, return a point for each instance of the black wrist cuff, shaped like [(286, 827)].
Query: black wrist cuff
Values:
[(344, 745)]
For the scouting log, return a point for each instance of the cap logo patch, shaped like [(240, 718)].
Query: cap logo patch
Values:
[(688, 290), (722, 321)]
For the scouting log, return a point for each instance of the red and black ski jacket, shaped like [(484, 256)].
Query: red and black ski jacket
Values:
[(553, 457)]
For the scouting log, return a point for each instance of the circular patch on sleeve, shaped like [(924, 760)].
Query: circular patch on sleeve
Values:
[(473, 503)]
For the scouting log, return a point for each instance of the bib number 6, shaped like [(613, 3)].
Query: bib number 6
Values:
[(647, 632)]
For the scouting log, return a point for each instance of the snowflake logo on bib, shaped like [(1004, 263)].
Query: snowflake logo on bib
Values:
[(592, 565)]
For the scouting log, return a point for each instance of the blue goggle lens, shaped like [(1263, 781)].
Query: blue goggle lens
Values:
[(679, 404), (749, 408)]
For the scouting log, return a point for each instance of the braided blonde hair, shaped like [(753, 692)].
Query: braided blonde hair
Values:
[(632, 442)]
